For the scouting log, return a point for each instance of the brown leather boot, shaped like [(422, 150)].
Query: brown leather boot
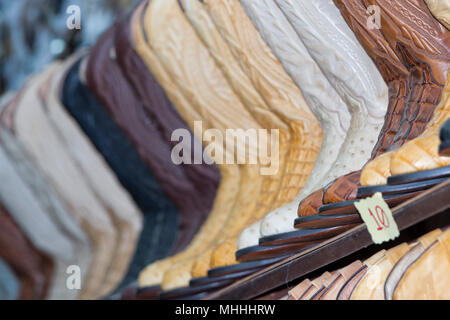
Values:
[(414, 65), (194, 195)]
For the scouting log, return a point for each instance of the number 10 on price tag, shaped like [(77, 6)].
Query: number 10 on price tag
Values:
[(378, 218)]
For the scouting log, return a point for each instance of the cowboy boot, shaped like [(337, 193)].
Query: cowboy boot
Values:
[(282, 97), (428, 66), (252, 100), (227, 192), (441, 10), (195, 194), (224, 114), (395, 75), (422, 153), (325, 103), (412, 122)]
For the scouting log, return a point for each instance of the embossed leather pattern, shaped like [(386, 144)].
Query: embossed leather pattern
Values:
[(321, 38), (392, 70), (428, 65), (276, 87), (263, 202), (282, 99), (343, 60), (302, 15), (422, 44), (422, 97), (394, 73), (422, 153), (325, 103), (227, 111), (252, 100), (322, 98), (176, 90)]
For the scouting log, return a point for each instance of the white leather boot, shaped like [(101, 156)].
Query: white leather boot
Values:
[(352, 73)]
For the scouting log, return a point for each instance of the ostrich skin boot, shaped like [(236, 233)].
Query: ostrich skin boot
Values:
[(325, 103), (369, 107), (282, 96)]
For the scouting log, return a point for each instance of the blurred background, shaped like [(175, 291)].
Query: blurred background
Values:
[(34, 32)]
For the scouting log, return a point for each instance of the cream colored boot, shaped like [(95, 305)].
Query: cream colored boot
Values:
[(237, 45), (227, 111), (324, 101), (441, 10), (322, 29), (230, 176)]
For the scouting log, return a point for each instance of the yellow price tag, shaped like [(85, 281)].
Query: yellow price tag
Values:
[(378, 218)]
